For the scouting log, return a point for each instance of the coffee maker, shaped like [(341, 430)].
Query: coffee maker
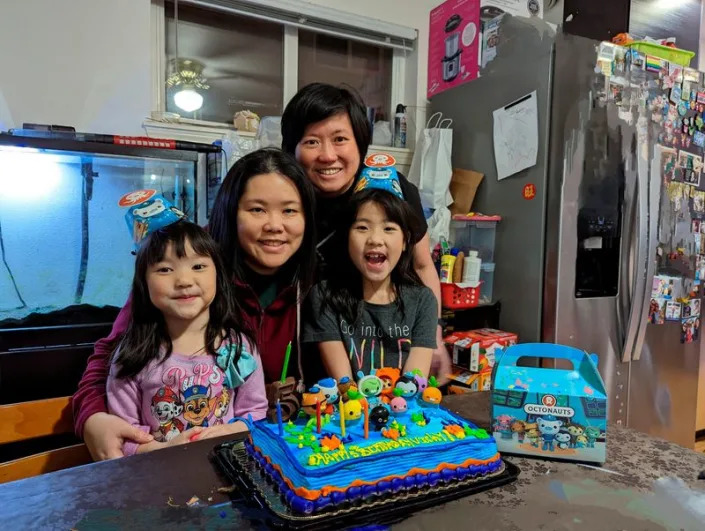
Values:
[(451, 61)]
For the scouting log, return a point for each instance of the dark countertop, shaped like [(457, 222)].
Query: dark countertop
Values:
[(151, 490)]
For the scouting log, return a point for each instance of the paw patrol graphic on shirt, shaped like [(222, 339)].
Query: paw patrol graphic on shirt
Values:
[(166, 407), (191, 394)]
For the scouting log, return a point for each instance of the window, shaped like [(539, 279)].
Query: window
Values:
[(365, 67), (242, 59), (257, 53)]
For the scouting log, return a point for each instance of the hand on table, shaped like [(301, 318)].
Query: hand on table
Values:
[(104, 435), (440, 363), (220, 430)]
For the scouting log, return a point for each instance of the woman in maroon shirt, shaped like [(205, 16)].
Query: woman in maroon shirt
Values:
[(263, 221)]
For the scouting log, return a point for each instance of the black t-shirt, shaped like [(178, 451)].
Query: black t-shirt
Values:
[(328, 216)]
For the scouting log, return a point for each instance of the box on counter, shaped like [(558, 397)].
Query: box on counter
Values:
[(475, 350), (545, 412), (472, 381)]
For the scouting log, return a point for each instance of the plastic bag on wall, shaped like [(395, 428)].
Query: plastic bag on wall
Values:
[(382, 134), (236, 146), (438, 226), (269, 133)]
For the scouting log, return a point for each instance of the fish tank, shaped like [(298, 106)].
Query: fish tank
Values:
[(66, 261)]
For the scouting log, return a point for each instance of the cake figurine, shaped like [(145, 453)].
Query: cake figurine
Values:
[(352, 409), (406, 386), (329, 388), (398, 405), (431, 396), (369, 385), (310, 400), (421, 380), (344, 385), (389, 377), (379, 416)]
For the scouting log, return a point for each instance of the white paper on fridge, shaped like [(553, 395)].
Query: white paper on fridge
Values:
[(516, 136)]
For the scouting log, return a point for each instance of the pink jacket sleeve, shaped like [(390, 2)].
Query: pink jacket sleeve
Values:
[(90, 397), (125, 400), (251, 396)]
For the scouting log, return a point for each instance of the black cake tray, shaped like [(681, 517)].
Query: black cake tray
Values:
[(257, 490)]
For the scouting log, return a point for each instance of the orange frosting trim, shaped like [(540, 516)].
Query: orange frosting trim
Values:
[(314, 494)]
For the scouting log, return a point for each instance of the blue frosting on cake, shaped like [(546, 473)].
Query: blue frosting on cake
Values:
[(434, 446)]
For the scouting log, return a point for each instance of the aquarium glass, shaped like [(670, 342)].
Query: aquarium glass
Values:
[(65, 247)]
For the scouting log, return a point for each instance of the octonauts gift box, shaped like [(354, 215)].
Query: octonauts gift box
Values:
[(556, 413)]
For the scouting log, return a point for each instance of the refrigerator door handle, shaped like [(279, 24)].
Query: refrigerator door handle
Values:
[(654, 189), (630, 240), (638, 313)]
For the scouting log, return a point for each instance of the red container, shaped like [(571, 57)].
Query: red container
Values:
[(454, 297)]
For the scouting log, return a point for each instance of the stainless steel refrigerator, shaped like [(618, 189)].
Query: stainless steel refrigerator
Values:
[(575, 261)]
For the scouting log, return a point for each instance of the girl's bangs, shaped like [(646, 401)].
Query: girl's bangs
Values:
[(177, 234)]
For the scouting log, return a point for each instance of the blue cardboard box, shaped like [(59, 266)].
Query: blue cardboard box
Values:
[(556, 413)]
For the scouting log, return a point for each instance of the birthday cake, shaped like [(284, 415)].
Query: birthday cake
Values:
[(351, 443)]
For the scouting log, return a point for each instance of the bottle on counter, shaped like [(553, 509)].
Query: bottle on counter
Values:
[(458, 268), (472, 267), (400, 127), (447, 264)]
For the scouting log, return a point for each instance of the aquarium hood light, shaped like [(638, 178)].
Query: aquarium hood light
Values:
[(27, 175)]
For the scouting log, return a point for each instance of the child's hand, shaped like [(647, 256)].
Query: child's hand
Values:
[(186, 436), (221, 430)]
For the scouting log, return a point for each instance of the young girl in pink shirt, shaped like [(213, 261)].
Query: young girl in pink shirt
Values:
[(185, 369)]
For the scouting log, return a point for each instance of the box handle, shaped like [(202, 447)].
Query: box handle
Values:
[(512, 354)]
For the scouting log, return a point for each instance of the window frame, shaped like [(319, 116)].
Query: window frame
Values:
[(208, 132)]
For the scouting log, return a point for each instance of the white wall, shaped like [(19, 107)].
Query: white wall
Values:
[(84, 63)]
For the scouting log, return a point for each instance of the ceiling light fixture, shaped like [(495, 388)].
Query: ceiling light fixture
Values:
[(186, 75)]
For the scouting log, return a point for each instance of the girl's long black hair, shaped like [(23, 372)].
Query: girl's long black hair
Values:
[(344, 283), (223, 221), (146, 332)]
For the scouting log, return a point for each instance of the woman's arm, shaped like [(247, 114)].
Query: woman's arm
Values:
[(103, 433), (423, 264), (90, 397), (335, 360)]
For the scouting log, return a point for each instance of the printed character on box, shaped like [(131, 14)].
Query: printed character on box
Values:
[(548, 426), (575, 430), (592, 434), (533, 435), (503, 424), (519, 427), (563, 439)]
